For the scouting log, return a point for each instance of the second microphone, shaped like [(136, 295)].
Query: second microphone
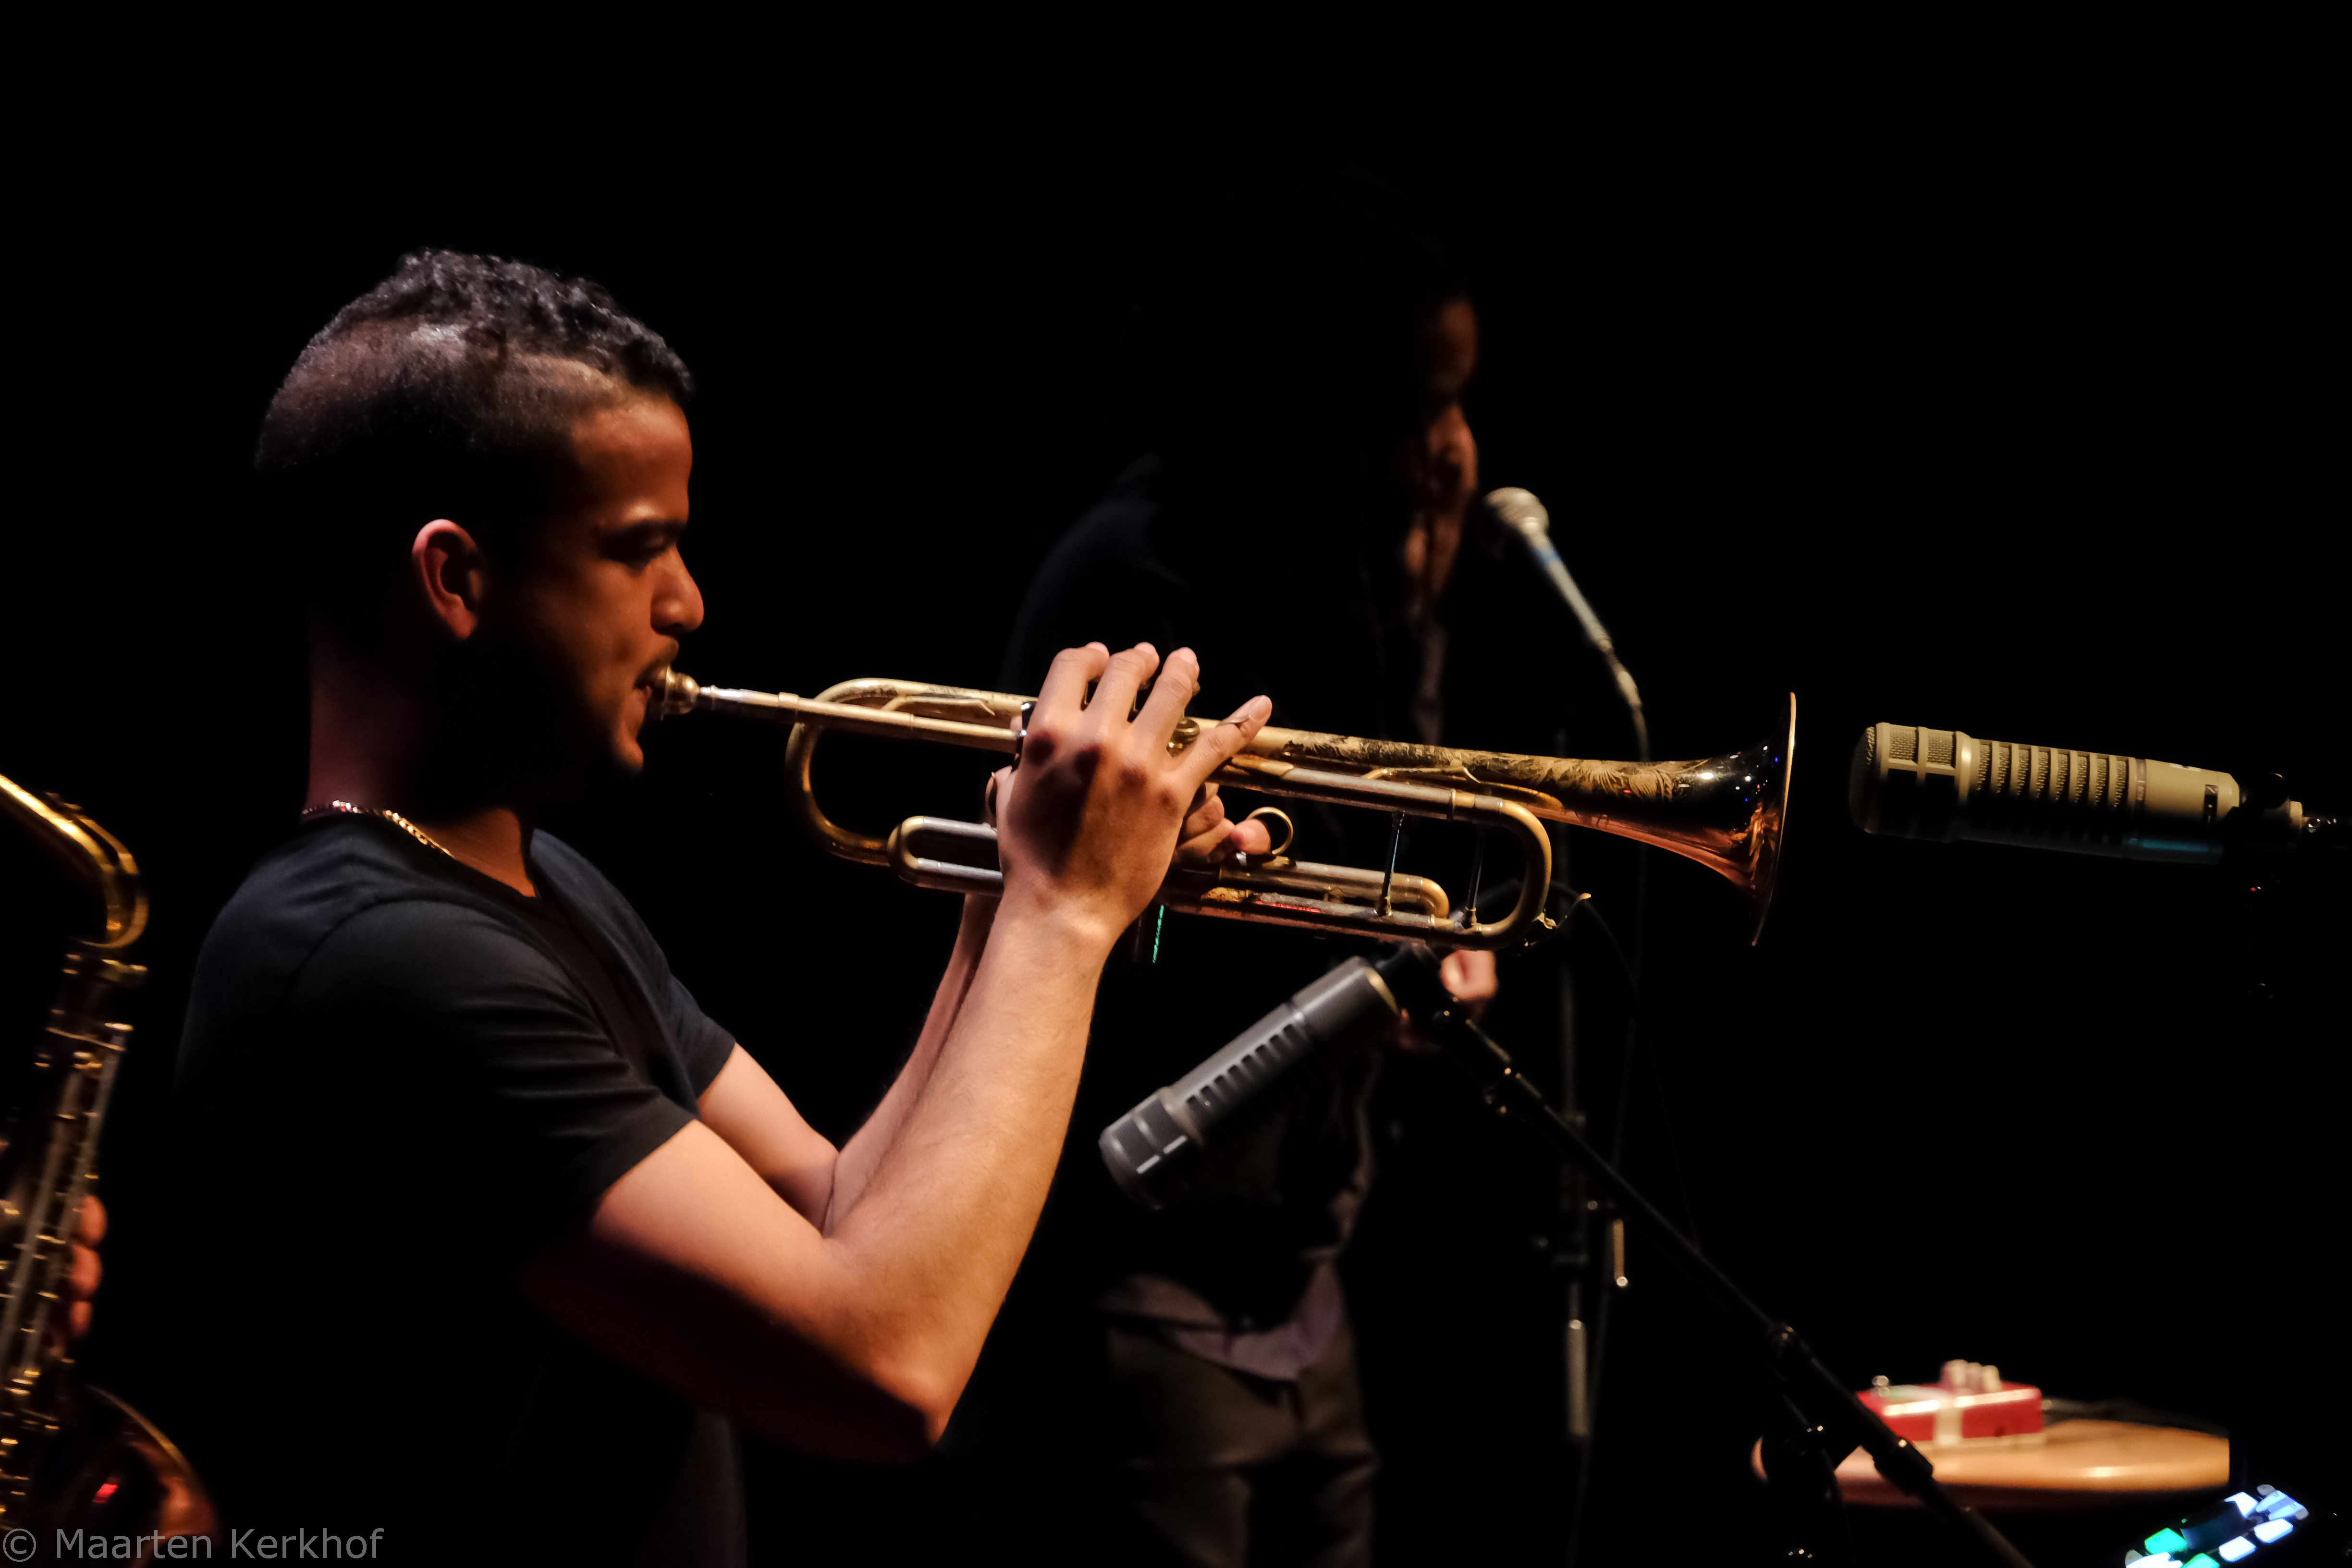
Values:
[(1157, 1151)]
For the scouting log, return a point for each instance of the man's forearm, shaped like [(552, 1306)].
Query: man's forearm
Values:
[(949, 1208), (857, 1337), (854, 1168)]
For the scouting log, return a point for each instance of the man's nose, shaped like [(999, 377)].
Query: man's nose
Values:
[(678, 606)]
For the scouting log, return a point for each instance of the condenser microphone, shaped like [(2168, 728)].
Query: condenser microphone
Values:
[(1520, 511), (1160, 1148), (1947, 785)]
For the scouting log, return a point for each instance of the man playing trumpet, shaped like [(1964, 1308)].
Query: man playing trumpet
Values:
[(540, 1230)]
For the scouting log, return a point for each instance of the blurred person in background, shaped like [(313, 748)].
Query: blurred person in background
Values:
[(1296, 515)]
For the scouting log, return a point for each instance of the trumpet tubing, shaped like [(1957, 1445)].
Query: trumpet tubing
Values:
[(1726, 812)]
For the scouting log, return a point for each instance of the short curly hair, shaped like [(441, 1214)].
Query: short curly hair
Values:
[(448, 390)]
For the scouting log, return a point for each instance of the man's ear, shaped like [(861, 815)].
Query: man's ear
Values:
[(452, 574)]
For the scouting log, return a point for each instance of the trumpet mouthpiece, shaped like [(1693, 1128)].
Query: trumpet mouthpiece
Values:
[(675, 693)]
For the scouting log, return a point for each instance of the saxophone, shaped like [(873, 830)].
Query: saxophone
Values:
[(73, 1457)]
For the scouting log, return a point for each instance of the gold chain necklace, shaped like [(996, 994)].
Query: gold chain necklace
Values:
[(392, 816)]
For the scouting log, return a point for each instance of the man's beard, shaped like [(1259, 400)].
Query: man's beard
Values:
[(522, 731)]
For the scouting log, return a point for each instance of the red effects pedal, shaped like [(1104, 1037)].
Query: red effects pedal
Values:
[(1970, 1403)]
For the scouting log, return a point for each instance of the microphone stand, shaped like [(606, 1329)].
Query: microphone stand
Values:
[(1825, 1421)]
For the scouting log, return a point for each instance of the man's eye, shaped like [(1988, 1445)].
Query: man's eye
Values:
[(640, 551)]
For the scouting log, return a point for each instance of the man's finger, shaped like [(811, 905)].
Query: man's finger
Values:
[(1180, 682), (1067, 680), (1121, 678), (92, 1225), (1200, 846), (1224, 840), (1206, 813), (1468, 973), (1220, 744)]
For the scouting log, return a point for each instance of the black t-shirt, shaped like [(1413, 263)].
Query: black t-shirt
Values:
[(399, 1079)]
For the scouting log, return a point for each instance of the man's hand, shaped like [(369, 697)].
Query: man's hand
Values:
[(1210, 838), (1207, 839), (1089, 823), (1468, 975)]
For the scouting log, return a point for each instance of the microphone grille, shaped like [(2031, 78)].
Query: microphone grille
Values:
[(1518, 510)]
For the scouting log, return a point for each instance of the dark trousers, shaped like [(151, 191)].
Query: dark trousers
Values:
[(1210, 1468)]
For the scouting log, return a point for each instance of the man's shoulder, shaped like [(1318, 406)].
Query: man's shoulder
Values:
[(319, 878), (353, 897), (591, 894), (575, 875)]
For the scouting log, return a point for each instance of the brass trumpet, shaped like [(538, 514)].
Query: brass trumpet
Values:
[(1725, 812)]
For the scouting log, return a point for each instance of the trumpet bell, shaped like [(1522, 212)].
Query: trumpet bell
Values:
[(1728, 813)]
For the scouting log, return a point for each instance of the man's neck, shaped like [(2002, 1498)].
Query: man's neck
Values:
[(370, 742), (495, 841)]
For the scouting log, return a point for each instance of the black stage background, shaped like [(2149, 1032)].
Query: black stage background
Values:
[(2037, 443)]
